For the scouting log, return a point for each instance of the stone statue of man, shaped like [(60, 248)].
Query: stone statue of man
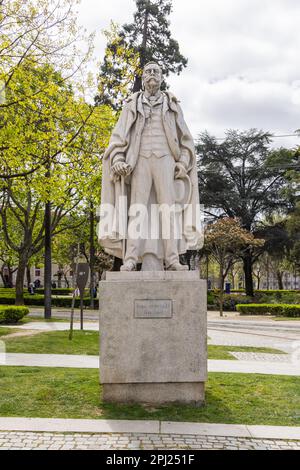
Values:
[(150, 161)]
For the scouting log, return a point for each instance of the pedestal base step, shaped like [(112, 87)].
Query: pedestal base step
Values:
[(155, 393)]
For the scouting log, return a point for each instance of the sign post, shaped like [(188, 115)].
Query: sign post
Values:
[(81, 278), (81, 281)]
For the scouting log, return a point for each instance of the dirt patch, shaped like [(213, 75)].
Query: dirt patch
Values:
[(17, 334)]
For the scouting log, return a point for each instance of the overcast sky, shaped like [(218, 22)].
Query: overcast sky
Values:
[(243, 61)]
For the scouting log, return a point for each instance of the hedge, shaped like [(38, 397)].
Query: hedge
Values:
[(38, 300), (263, 291), (229, 301), (10, 314), (285, 310), (55, 291)]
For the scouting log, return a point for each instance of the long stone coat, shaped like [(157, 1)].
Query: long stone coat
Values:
[(125, 140)]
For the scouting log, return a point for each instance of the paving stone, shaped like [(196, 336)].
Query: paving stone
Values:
[(108, 441)]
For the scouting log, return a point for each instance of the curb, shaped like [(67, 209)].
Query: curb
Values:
[(148, 427), (92, 362)]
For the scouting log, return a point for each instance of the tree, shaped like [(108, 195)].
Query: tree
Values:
[(33, 34), (8, 260), (293, 228), (147, 38), (226, 241), (277, 246), (242, 178), (67, 135)]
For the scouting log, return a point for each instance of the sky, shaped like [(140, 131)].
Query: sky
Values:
[(243, 61)]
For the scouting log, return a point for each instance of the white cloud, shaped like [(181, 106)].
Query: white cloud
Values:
[(243, 68)]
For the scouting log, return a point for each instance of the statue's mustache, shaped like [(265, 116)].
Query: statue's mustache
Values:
[(147, 79)]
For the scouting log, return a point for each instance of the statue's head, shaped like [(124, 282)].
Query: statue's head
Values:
[(152, 77)]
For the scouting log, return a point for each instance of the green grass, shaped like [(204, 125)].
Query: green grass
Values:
[(75, 393), (6, 331), (42, 319), (87, 342), (286, 318), (56, 342), (223, 352), (48, 320)]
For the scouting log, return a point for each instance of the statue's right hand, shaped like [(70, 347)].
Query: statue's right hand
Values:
[(121, 169)]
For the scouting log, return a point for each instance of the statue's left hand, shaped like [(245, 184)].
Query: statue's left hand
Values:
[(121, 169), (180, 171)]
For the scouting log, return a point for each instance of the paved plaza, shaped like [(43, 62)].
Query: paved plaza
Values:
[(69, 434), (228, 331), (133, 441), (34, 433)]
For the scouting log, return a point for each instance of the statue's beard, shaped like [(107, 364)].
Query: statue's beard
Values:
[(152, 87)]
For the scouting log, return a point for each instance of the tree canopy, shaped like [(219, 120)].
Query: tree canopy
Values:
[(129, 47)]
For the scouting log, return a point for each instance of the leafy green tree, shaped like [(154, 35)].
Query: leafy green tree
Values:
[(293, 228), (147, 38), (226, 241), (242, 178), (67, 135), (34, 35), (277, 246), (8, 259)]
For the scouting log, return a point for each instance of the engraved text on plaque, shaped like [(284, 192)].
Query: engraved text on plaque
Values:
[(153, 308)]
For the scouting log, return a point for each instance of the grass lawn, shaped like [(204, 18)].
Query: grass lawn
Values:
[(6, 331), (87, 342), (223, 352), (56, 342), (75, 393), (29, 319), (286, 318)]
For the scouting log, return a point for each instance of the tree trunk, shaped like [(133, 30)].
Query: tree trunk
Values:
[(258, 282), (138, 80), (20, 280), (66, 280), (28, 275), (47, 262), (279, 275), (117, 264), (137, 84), (9, 276), (268, 273), (3, 277), (247, 263), (59, 276), (232, 279), (92, 256), (221, 287)]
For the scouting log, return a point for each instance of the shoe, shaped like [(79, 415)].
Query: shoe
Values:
[(128, 266), (178, 267)]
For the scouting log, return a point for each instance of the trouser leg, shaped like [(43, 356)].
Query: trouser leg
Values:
[(141, 182), (163, 177)]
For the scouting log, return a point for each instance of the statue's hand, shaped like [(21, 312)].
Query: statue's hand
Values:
[(180, 171), (121, 169)]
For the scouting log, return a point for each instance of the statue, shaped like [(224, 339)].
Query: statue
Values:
[(150, 163)]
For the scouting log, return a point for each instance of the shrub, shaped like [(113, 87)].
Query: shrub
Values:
[(285, 310), (210, 298), (38, 301), (13, 314), (56, 291), (229, 301)]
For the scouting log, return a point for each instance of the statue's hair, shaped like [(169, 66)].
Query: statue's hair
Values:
[(152, 63)]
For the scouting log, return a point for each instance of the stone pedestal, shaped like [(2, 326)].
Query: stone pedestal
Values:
[(153, 337)]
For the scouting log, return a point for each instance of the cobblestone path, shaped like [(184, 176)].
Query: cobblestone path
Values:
[(136, 441)]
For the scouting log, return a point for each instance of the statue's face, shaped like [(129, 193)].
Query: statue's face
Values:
[(152, 77)]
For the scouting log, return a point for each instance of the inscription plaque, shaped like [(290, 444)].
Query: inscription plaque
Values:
[(153, 308)]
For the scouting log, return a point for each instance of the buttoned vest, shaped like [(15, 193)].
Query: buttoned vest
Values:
[(153, 139)]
